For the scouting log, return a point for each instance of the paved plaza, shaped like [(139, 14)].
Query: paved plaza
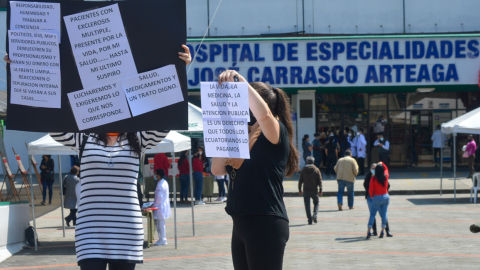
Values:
[(430, 232)]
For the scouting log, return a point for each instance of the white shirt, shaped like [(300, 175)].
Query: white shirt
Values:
[(161, 201), (437, 139), (353, 145), (361, 146), (386, 144)]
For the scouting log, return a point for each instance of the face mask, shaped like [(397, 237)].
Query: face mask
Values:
[(331, 135), (200, 153), (381, 139), (155, 177), (372, 171), (349, 134)]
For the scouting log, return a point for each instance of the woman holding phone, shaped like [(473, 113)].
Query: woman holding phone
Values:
[(255, 200)]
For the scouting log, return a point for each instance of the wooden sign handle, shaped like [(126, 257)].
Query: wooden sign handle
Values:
[(14, 151)]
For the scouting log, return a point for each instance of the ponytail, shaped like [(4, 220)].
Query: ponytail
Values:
[(283, 111)]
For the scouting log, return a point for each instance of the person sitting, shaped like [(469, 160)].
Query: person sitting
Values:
[(163, 204)]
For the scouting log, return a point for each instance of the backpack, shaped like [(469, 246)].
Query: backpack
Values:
[(30, 236)]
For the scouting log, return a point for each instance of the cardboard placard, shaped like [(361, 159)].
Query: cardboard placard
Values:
[(154, 41)]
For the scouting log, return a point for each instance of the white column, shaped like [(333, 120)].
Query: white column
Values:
[(306, 115)]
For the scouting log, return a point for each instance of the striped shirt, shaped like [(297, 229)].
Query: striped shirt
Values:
[(109, 224)]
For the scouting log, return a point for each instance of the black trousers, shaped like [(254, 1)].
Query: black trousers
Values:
[(331, 162), (258, 242), (307, 195), (436, 154), (385, 158), (72, 216), (102, 265), (361, 165)]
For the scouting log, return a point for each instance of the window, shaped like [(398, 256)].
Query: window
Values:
[(306, 108)]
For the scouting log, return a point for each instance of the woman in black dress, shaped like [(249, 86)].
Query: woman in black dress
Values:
[(255, 195)]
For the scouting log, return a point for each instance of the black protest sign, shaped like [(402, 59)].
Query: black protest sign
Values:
[(155, 30)]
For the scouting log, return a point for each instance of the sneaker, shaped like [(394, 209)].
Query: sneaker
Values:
[(161, 243), (339, 207), (43, 203), (219, 199), (224, 199), (49, 202), (314, 220), (199, 203)]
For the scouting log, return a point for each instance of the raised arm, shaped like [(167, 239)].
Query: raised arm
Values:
[(266, 120), (72, 140), (149, 139)]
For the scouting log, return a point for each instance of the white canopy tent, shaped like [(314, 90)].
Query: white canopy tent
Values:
[(195, 122), (174, 142), (467, 123)]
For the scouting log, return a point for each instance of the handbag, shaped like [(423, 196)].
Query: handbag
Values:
[(465, 154), (51, 178)]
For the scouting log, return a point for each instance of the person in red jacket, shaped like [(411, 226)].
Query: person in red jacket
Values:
[(378, 191), (160, 161), (184, 171), (197, 165)]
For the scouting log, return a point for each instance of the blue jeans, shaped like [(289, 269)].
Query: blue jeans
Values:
[(198, 177), (184, 182), (221, 187), (379, 204), (48, 185), (341, 189)]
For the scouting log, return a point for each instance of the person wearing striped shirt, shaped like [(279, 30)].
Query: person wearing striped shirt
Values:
[(109, 227)]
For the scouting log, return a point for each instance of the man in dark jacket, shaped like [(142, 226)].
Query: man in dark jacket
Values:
[(311, 178)]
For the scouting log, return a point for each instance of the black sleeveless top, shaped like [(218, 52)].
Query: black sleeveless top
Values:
[(257, 187)]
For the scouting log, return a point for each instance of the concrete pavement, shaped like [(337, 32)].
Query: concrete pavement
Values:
[(430, 232)]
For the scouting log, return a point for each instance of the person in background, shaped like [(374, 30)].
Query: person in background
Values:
[(366, 185), (347, 171), (203, 158), (438, 140), (379, 125), (48, 177), (344, 143), (307, 147), (361, 146), (317, 150), (161, 202), (160, 161), (378, 191), (471, 148), (331, 149), (184, 171), (198, 177), (383, 150), (352, 140), (311, 179), (69, 184), (323, 141), (221, 181)]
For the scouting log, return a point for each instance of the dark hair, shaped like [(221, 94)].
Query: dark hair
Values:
[(49, 156), (183, 156), (130, 136), (360, 129), (305, 137), (74, 170), (204, 156), (380, 174), (160, 173), (279, 105), (348, 153), (470, 136)]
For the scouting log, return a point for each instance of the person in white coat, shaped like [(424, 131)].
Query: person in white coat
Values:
[(163, 203), (361, 151), (438, 143)]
